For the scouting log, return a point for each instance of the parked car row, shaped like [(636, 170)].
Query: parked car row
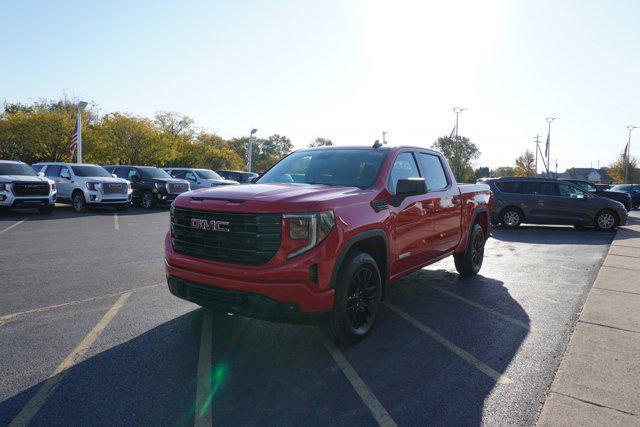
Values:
[(88, 185), (549, 201)]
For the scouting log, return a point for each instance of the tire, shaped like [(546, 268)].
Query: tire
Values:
[(46, 210), (78, 202), (358, 293), (148, 201), (511, 218), (468, 264), (629, 208), (606, 220), (121, 208)]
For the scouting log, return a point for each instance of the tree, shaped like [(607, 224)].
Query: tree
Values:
[(525, 165), (460, 152), (482, 172), (503, 171), (616, 170), (320, 142)]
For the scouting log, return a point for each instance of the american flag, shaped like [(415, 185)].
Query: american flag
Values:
[(73, 144)]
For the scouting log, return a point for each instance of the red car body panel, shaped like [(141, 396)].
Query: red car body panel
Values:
[(421, 230)]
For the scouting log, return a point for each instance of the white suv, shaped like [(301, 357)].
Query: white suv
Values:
[(21, 187), (84, 185), (199, 178)]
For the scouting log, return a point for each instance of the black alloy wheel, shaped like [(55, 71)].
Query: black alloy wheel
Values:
[(469, 262), (361, 299)]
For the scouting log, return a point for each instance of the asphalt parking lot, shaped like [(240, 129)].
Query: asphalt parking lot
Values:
[(89, 334)]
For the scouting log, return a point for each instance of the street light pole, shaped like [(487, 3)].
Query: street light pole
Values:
[(457, 164), (81, 106), (250, 149), (628, 155)]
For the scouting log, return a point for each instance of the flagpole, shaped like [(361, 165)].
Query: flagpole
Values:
[(548, 146), (81, 106)]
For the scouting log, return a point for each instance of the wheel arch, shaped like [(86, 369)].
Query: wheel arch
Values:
[(375, 243)]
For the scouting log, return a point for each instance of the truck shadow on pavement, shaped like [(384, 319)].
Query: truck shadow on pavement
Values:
[(277, 374), (553, 235)]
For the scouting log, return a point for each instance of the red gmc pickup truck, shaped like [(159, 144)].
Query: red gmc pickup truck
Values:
[(319, 236)]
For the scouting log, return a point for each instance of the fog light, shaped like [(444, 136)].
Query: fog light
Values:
[(92, 198)]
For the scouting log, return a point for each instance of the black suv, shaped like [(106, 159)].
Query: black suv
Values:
[(632, 190), (151, 186), (549, 201), (618, 196)]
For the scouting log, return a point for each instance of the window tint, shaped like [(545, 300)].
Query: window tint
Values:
[(542, 188), (178, 174), (190, 176), (433, 171), (570, 191), (120, 172), (403, 168), (37, 168), (588, 186), (64, 172), (515, 187), (53, 171)]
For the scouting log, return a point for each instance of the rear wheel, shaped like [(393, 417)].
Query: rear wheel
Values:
[(357, 299), (469, 263), (606, 220), (511, 218), (46, 210), (79, 203)]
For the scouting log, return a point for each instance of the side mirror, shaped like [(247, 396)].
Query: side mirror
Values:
[(135, 178), (114, 175), (410, 187), (41, 174)]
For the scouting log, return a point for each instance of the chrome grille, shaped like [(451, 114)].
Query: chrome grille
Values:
[(177, 187), (114, 188)]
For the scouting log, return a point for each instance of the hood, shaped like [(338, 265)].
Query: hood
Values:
[(618, 195), (269, 197), (22, 178), (166, 180), (220, 181)]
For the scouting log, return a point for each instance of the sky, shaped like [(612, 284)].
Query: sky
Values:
[(346, 70)]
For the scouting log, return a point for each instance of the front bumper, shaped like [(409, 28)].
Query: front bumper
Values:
[(285, 285), (96, 198), (9, 200)]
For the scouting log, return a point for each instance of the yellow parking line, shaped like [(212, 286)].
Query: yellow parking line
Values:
[(485, 309), (35, 403), (116, 225), (471, 360), (377, 410), (204, 387), (13, 225), (7, 317)]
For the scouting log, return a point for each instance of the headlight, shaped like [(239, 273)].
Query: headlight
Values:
[(4, 187), (312, 227), (93, 186), (53, 186), (158, 185)]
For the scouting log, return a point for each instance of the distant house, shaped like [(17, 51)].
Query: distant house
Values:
[(597, 176)]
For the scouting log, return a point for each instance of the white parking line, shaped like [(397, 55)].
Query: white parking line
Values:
[(13, 225), (377, 410), (203, 412), (115, 221), (35, 403), (7, 317), (485, 309), (471, 360)]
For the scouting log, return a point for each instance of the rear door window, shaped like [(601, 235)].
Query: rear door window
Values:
[(571, 191), (433, 170), (512, 187), (179, 174), (53, 171)]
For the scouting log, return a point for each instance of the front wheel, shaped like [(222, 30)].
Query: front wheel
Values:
[(357, 299), (468, 264), (148, 201), (606, 220), (79, 203)]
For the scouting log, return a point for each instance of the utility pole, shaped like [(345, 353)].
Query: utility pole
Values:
[(548, 146), (628, 155), (537, 140)]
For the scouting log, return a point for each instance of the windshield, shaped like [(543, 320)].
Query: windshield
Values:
[(16, 169), (208, 174), (625, 188), (149, 172), (351, 168), (92, 171)]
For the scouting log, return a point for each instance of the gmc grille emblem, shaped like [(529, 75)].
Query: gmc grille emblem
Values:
[(212, 225)]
